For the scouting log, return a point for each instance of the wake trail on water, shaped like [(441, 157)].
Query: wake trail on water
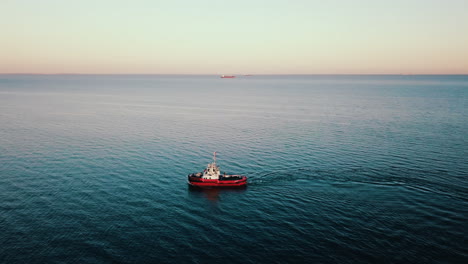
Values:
[(412, 179)]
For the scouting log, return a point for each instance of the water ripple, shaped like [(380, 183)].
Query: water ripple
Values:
[(344, 170)]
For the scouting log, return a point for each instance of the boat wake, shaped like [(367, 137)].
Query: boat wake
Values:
[(411, 179)]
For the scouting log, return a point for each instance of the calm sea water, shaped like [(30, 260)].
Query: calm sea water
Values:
[(342, 169)]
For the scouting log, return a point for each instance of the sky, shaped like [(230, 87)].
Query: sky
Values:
[(234, 37)]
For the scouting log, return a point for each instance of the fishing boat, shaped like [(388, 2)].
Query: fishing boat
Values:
[(212, 177), (228, 76)]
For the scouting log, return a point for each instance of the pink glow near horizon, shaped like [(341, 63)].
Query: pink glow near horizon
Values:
[(302, 37)]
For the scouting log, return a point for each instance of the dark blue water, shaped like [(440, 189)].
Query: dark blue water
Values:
[(342, 169)]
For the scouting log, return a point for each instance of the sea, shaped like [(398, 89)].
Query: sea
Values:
[(341, 168)]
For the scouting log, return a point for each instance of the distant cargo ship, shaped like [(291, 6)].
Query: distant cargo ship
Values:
[(228, 76)]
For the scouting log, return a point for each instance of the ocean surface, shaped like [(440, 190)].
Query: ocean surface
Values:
[(342, 169)]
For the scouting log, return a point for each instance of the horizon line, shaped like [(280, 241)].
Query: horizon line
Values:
[(243, 74)]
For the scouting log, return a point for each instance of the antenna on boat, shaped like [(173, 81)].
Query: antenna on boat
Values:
[(214, 157)]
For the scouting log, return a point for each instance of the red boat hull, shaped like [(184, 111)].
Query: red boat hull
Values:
[(197, 181)]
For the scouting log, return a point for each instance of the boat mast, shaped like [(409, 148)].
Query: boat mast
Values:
[(214, 157)]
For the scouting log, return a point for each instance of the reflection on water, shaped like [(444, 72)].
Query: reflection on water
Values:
[(213, 194)]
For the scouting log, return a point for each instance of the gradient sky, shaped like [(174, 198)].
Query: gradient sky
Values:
[(230, 37)]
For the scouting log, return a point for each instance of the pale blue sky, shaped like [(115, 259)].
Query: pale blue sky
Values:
[(216, 37)]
